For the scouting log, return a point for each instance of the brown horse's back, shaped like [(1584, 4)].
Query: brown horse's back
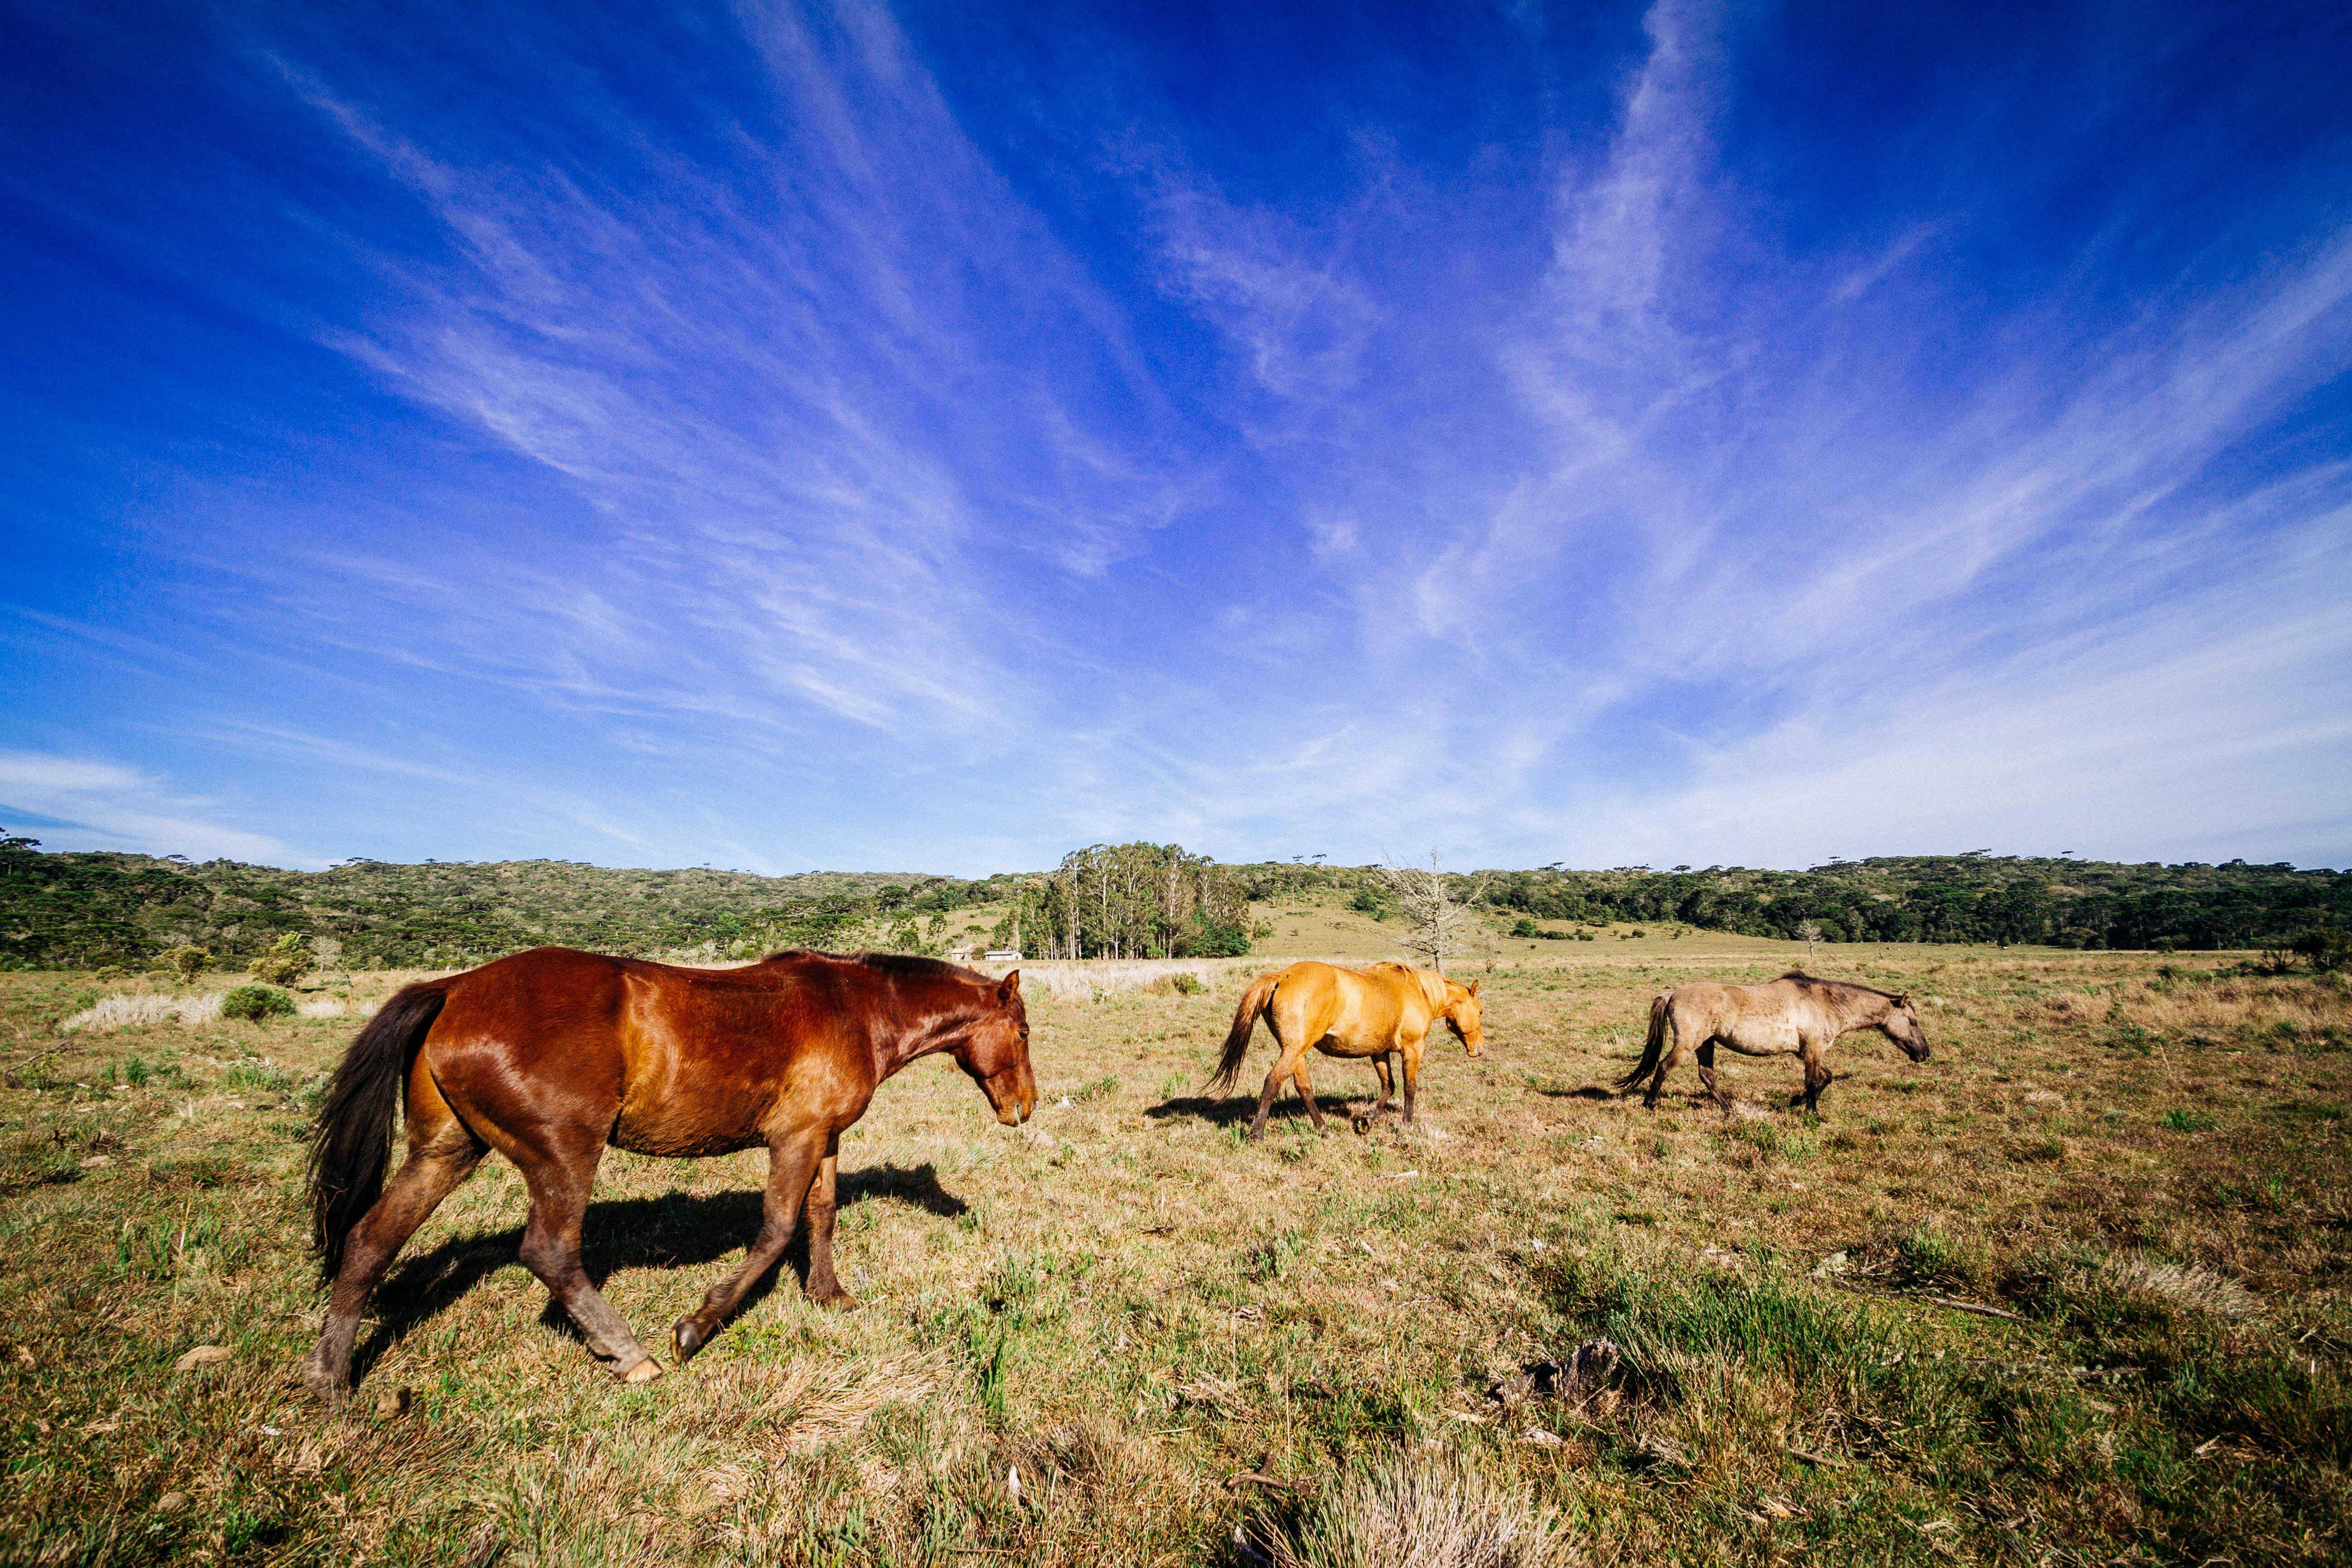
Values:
[(615, 1039)]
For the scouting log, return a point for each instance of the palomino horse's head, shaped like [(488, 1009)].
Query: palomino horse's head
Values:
[(994, 1051), (1462, 1017), (1901, 1025)]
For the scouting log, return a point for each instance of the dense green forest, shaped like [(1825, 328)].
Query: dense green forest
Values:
[(88, 911)]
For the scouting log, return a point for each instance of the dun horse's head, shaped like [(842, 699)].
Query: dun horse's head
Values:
[(1462, 1017), (995, 1052), (1902, 1026)]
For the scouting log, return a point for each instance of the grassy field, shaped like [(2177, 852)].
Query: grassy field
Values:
[(2140, 1165)]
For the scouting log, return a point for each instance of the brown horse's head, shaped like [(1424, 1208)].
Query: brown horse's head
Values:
[(1901, 1025), (994, 1051), (1463, 1017)]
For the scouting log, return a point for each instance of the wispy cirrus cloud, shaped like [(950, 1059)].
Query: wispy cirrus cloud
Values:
[(81, 803)]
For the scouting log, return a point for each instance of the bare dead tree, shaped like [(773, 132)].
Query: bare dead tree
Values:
[(1436, 923), (1810, 934)]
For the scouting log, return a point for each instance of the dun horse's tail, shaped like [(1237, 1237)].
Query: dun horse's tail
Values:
[(1657, 1047), (350, 1143), (1254, 1002)]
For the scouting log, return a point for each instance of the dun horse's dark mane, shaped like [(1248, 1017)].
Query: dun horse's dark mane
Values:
[(1801, 978)]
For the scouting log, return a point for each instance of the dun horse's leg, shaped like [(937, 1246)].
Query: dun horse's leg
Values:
[(792, 1168), (560, 1185), (820, 1206), (1388, 1084), (1706, 1075), (446, 1155), (1675, 1058), (1817, 1075), (1411, 1084)]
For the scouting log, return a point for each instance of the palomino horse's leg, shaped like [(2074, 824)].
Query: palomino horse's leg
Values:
[(1307, 1093), (560, 1185), (819, 1210), (1412, 1054), (793, 1166), (1707, 1075), (441, 1153), (1388, 1083), (1284, 1066)]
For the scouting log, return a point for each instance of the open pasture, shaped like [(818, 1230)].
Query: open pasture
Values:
[(2129, 1172)]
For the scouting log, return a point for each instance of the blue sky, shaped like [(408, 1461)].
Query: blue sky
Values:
[(937, 437)]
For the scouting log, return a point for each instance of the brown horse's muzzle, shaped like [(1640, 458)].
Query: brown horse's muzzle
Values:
[(1012, 1096)]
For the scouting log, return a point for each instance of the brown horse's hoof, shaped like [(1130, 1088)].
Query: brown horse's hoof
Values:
[(839, 1301), (643, 1371), (336, 1391), (688, 1337), (1363, 1124)]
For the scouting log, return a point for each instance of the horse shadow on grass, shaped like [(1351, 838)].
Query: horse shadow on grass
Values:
[(1224, 1112), (677, 1230)]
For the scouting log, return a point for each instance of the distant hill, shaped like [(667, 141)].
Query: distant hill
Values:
[(1977, 897), (86, 911)]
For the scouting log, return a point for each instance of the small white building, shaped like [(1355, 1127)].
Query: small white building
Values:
[(1002, 956)]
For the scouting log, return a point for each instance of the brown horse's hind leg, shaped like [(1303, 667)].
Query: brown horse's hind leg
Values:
[(560, 1185), (441, 1155), (792, 1171)]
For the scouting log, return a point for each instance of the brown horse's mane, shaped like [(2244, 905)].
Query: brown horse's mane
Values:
[(1801, 978), (896, 965)]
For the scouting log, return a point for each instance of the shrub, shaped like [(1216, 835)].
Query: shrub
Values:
[(1526, 928), (187, 963), (287, 961), (1184, 982), (257, 1003)]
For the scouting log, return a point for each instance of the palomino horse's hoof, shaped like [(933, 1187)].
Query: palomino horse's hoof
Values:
[(643, 1370)]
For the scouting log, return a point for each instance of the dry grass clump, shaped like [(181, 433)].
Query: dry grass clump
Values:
[(131, 1009), (2175, 1287), (1417, 1511), (1066, 980), (324, 1007), (809, 1400)]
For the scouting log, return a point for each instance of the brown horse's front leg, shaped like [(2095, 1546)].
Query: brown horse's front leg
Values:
[(822, 1287), (792, 1171)]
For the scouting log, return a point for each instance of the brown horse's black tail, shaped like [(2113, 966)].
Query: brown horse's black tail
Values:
[(350, 1143), (1254, 1002), (1657, 1047)]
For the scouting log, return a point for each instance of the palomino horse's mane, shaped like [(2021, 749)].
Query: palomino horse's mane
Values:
[(1801, 978)]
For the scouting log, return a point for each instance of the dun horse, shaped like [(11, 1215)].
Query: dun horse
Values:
[(1346, 1013), (1794, 1015), (549, 1056)]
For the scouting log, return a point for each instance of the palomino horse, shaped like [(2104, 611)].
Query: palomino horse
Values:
[(1794, 1015), (1346, 1013), (549, 1054)]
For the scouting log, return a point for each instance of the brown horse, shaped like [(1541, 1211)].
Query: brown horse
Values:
[(549, 1054), (1346, 1013), (1794, 1015)]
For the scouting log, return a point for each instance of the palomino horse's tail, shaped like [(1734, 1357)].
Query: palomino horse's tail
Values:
[(350, 1143), (1254, 1002), (1657, 1047)]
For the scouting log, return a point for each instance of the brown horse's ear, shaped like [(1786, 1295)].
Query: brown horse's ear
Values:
[(1008, 988), (1903, 1000)]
